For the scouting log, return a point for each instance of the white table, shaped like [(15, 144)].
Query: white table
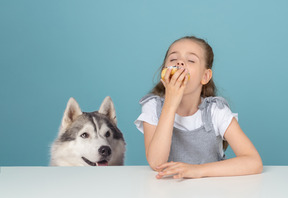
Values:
[(134, 181)]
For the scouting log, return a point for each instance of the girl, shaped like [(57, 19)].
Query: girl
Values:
[(186, 128)]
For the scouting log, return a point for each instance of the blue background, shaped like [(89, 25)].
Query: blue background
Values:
[(57, 49)]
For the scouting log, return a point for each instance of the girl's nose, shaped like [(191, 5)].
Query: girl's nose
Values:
[(180, 63)]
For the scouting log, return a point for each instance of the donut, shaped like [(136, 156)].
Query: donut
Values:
[(174, 69)]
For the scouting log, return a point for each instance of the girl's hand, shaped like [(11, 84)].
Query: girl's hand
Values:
[(174, 86), (179, 170)]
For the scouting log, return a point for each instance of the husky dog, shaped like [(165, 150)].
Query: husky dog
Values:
[(88, 139)]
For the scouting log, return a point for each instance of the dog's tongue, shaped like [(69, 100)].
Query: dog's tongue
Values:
[(102, 163)]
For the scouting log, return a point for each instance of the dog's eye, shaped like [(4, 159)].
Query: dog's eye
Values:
[(84, 135), (107, 134)]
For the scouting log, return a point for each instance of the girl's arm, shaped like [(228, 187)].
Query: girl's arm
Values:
[(247, 160), (158, 138)]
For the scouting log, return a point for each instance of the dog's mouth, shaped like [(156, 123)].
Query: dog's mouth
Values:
[(100, 163)]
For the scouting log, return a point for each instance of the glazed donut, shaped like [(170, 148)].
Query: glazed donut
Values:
[(174, 69)]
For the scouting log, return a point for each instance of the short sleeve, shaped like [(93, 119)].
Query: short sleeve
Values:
[(148, 114), (221, 119)]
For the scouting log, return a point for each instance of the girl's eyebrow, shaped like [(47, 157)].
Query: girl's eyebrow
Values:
[(172, 53), (175, 52), (194, 55)]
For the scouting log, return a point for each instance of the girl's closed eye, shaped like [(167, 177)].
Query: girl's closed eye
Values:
[(173, 60), (191, 61)]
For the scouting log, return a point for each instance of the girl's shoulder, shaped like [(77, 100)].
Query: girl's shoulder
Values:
[(152, 102), (149, 97), (208, 102), (217, 108)]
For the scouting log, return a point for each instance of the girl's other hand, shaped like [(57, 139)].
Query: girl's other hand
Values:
[(174, 86), (179, 170)]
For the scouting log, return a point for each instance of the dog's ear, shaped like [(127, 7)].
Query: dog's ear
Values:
[(107, 108), (72, 111)]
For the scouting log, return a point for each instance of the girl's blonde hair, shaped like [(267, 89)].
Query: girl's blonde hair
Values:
[(207, 90)]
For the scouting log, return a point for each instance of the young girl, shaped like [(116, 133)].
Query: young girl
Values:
[(186, 128)]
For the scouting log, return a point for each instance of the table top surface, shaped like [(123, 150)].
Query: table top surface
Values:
[(135, 181)]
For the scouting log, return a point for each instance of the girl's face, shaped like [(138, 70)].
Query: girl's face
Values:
[(190, 55)]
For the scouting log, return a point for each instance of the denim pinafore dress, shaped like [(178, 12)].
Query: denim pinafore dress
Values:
[(198, 146)]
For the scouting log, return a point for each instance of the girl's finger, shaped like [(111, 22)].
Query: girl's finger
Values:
[(164, 84), (159, 176), (170, 168), (184, 83), (165, 165), (179, 176), (176, 174), (181, 78), (170, 171), (176, 75), (167, 75)]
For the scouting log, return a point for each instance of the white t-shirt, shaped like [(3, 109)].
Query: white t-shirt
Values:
[(221, 118)]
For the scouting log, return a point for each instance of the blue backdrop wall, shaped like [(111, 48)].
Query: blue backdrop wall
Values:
[(57, 49)]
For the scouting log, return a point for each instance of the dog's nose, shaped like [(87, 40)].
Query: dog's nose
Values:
[(105, 151)]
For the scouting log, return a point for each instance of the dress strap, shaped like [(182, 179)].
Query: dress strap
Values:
[(159, 102), (206, 106)]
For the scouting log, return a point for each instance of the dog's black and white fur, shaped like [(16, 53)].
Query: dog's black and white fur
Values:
[(88, 139)]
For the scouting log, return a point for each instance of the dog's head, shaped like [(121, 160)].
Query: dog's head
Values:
[(88, 139)]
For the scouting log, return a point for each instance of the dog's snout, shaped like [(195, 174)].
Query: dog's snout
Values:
[(105, 151)]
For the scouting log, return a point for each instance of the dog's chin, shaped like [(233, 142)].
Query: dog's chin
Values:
[(99, 163)]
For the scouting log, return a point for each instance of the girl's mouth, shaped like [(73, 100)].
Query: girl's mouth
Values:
[(174, 69)]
